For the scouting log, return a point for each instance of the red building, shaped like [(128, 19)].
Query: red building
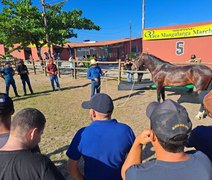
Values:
[(104, 50), (177, 43)]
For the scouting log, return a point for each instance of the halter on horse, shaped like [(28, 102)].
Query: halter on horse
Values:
[(167, 74)]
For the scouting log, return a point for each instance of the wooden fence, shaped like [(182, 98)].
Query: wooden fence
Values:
[(118, 70)]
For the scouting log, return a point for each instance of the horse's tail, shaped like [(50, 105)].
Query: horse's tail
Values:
[(210, 84)]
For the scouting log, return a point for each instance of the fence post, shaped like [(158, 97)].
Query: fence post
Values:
[(34, 69), (119, 71), (58, 68), (14, 62), (75, 70), (44, 63)]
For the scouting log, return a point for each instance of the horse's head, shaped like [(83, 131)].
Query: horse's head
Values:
[(138, 63)]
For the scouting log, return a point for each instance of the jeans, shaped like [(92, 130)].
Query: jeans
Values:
[(140, 75), (95, 86), (130, 77), (52, 79), (24, 81), (9, 82)]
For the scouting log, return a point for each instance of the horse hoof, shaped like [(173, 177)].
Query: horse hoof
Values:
[(201, 115)]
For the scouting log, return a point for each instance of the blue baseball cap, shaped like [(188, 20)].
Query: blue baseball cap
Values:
[(100, 102)]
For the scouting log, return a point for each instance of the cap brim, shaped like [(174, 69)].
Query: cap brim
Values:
[(86, 105), (150, 108)]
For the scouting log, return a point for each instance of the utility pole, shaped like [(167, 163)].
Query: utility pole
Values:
[(46, 27), (143, 17), (143, 22), (130, 39)]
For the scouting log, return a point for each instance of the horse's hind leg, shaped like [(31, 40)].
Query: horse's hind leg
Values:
[(162, 91)]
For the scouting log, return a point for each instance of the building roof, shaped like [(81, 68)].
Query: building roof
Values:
[(101, 43)]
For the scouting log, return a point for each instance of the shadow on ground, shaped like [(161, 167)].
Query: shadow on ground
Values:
[(126, 96), (47, 92), (185, 96)]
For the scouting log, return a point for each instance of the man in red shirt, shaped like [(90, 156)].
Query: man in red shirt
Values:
[(51, 69)]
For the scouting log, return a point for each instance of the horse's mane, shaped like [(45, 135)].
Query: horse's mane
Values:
[(157, 59)]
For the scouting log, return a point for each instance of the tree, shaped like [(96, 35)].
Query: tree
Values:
[(22, 23)]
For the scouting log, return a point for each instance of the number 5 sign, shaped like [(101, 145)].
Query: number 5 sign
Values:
[(179, 48)]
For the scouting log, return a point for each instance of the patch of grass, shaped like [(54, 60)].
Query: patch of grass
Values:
[(65, 116)]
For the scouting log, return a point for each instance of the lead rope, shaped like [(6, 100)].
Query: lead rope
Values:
[(104, 79), (125, 102)]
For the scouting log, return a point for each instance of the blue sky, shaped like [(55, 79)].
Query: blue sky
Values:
[(115, 16)]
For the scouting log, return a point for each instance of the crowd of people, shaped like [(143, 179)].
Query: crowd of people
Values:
[(7, 73), (109, 148), (94, 74)]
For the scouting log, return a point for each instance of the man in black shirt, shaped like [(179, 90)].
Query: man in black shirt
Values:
[(17, 161), (23, 72)]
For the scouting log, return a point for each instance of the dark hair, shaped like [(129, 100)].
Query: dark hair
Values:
[(193, 56), (174, 147), (28, 118)]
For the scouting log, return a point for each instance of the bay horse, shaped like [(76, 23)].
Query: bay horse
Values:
[(167, 74)]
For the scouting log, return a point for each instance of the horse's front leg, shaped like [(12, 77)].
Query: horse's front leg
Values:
[(158, 93)]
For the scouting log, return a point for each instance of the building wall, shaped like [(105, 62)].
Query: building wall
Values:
[(2, 51), (167, 49), (105, 52), (19, 54)]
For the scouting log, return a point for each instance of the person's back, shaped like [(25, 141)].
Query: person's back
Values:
[(200, 139), (170, 128), (17, 160), (196, 167), (25, 165), (103, 145), (201, 136)]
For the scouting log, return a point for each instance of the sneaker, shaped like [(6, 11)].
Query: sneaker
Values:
[(25, 94)]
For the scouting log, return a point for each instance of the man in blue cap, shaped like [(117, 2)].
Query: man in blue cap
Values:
[(170, 128), (94, 73), (103, 144), (7, 74)]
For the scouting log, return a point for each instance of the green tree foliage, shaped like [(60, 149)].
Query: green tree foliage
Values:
[(22, 23)]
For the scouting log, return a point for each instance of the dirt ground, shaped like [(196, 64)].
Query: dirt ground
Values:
[(65, 115)]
